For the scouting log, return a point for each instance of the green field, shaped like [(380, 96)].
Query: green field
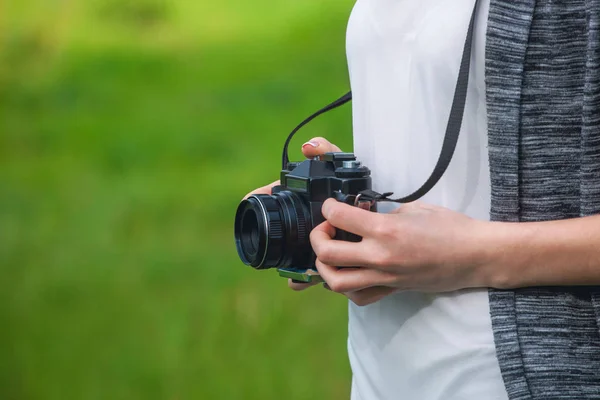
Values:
[(129, 131)]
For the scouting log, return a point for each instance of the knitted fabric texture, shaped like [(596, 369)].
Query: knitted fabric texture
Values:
[(543, 96)]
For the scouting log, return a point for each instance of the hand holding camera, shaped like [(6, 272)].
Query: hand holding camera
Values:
[(417, 247), (405, 250)]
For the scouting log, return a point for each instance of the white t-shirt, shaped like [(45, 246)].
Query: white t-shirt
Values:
[(404, 57)]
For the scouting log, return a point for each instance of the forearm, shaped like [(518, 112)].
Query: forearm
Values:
[(554, 253)]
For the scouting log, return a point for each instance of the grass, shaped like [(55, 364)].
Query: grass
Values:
[(128, 133)]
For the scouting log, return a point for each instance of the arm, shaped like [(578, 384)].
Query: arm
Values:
[(553, 253), (432, 249)]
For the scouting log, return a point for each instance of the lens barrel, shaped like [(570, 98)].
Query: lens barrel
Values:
[(272, 231)]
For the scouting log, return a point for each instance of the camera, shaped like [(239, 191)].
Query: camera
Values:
[(272, 231)]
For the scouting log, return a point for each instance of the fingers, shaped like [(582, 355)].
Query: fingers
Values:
[(263, 190), (336, 252), (351, 219), (344, 280), (318, 146), (300, 286)]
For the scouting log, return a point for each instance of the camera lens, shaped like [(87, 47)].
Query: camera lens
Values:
[(272, 231), (250, 232)]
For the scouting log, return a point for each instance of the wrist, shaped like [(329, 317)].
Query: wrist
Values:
[(510, 255), (508, 245), (496, 254)]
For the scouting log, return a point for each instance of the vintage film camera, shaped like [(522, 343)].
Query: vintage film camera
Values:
[(272, 231)]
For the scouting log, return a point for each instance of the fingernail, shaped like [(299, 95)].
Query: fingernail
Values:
[(311, 143)]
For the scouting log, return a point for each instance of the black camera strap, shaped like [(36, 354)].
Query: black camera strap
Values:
[(452, 129)]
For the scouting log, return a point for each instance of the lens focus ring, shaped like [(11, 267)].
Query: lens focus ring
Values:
[(273, 219), (301, 228)]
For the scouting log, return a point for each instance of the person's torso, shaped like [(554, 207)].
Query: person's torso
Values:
[(404, 57)]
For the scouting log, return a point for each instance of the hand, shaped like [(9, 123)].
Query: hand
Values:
[(314, 147), (418, 247)]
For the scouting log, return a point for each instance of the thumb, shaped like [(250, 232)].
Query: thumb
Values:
[(318, 146)]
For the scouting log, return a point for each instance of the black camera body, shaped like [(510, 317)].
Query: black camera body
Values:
[(272, 231)]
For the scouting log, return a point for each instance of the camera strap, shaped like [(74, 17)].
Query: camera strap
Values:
[(452, 129)]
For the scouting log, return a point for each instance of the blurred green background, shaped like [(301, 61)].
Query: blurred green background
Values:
[(129, 131)]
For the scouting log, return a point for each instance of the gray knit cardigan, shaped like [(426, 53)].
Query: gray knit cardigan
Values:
[(543, 96)]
